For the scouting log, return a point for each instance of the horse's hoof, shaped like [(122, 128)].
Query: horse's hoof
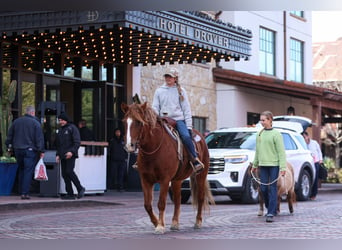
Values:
[(174, 228), (159, 230), (197, 226), (260, 213)]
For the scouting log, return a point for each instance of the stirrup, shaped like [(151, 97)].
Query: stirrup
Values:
[(199, 167)]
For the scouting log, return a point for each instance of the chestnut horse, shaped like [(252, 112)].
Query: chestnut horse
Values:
[(286, 190), (158, 162)]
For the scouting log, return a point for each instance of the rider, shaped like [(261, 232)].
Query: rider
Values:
[(171, 100)]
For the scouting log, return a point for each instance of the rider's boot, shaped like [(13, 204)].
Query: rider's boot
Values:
[(197, 165)]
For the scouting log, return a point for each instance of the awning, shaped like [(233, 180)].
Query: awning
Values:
[(129, 37)]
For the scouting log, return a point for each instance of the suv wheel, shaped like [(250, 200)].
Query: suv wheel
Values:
[(304, 186), (185, 195), (250, 194)]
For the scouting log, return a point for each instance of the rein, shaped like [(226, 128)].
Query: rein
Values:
[(154, 151)]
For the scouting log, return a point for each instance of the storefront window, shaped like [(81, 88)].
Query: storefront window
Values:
[(103, 73), (28, 95), (6, 78), (87, 106), (87, 70)]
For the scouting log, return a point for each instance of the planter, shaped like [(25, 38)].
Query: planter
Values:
[(8, 173)]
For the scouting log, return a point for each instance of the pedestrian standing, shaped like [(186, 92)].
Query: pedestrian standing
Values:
[(269, 158), (316, 153), (85, 133), (171, 100), (26, 139), (67, 143), (118, 159)]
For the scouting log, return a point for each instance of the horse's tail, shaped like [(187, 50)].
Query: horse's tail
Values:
[(208, 197)]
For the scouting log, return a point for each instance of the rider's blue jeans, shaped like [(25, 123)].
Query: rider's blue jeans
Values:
[(186, 138), (269, 192)]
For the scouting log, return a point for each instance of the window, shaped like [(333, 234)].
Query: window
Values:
[(289, 144), (199, 123), (297, 13), (267, 51), (296, 60)]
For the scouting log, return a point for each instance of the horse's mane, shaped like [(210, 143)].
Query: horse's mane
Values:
[(143, 113)]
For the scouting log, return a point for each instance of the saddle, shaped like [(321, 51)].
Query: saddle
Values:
[(170, 126)]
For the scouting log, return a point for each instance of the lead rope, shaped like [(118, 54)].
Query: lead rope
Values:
[(261, 183), (270, 183)]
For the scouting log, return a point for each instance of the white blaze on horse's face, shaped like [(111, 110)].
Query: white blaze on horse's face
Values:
[(129, 145)]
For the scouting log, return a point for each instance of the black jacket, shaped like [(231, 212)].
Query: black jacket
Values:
[(86, 134), (116, 149), (26, 132), (68, 140)]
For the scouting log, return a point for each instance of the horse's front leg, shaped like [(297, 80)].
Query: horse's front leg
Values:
[(176, 192), (148, 198), (160, 228), (198, 184)]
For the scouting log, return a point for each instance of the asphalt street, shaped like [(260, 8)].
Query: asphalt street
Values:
[(121, 215)]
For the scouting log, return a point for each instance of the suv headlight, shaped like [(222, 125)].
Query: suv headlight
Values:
[(236, 159)]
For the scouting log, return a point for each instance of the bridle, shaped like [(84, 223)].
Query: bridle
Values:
[(139, 138)]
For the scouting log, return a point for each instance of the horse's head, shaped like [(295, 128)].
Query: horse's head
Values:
[(136, 117)]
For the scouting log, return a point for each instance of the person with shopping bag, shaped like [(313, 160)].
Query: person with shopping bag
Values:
[(25, 138)]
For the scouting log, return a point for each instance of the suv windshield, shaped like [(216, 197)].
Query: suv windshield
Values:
[(234, 140)]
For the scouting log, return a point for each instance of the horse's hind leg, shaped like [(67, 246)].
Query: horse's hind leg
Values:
[(148, 197), (176, 192)]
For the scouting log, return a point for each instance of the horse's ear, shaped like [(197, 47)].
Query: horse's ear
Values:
[(144, 106), (124, 107)]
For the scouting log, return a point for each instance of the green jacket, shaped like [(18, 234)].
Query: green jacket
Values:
[(270, 150)]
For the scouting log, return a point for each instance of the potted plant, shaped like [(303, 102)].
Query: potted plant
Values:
[(8, 165)]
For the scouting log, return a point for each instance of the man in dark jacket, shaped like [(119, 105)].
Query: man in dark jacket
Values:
[(68, 142), (118, 159), (25, 137)]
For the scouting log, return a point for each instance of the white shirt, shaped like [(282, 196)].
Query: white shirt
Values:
[(315, 150)]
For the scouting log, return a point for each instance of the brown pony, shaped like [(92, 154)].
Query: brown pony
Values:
[(286, 190), (158, 162)]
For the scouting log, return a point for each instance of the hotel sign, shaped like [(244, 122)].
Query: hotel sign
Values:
[(192, 32), (193, 28)]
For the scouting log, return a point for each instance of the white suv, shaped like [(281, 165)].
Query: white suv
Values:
[(232, 149)]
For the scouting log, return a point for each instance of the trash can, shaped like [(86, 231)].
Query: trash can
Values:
[(51, 187)]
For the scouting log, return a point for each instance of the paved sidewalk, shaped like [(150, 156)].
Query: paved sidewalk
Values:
[(110, 197)]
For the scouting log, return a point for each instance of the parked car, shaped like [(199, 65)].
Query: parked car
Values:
[(232, 149)]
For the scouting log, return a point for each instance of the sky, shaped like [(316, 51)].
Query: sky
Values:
[(326, 26)]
